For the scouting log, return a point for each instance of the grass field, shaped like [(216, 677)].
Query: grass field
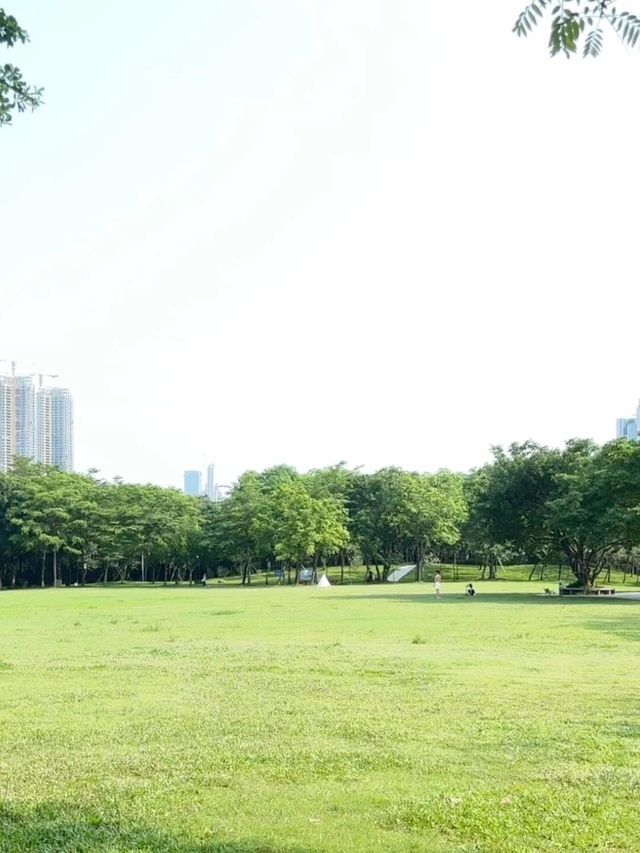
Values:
[(296, 719)]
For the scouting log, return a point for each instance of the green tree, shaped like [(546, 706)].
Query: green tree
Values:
[(242, 525), (401, 515), (432, 510), (306, 528), (575, 23), (15, 92), (595, 509), (582, 502)]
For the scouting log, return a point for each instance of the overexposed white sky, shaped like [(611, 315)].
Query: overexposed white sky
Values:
[(304, 231)]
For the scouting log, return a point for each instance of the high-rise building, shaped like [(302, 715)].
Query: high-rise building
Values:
[(626, 428), (24, 414), (211, 482), (35, 424), (7, 423), (43, 427), (629, 427), (193, 483), (17, 418), (61, 428)]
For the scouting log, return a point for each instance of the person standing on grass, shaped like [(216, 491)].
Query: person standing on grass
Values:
[(437, 580)]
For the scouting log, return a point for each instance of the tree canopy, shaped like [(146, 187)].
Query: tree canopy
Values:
[(15, 93), (579, 505)]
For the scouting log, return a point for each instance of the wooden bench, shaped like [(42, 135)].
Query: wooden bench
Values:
[(578, 590)]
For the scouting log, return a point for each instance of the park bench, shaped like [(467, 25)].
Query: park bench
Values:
[(570, 590), (578, 590)]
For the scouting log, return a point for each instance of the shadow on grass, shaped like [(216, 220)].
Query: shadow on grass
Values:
[(615, 628), (493, 598), (62, 828)]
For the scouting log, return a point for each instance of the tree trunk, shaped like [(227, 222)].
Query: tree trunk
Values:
[(42, 570), (55, 568), (493, 569), (341, 567)]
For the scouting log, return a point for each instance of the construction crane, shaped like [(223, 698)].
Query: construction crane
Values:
[(42, 376)]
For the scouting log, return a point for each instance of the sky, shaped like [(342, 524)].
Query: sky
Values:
[(385, 232)]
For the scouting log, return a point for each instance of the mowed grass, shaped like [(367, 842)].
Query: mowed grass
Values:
[(359, 718)]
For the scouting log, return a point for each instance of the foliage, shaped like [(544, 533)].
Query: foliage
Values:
[(15, 92), (582, 502), (398, 515), (576, 20), (531, 503)]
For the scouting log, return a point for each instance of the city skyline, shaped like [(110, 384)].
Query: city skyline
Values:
[(195, 485), (36, 421)]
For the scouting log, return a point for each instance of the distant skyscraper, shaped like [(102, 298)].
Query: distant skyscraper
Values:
[(61, 428), (43, 426), (17, 433), (24, 417), (35, 424), (211, 482), (7, 423), (625, 428), (193, 483), (629, 427)]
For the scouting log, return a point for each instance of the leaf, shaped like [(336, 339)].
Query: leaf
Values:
[(593, 44), (529, 17)]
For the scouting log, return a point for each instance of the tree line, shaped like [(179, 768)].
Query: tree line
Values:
[(579, 505)]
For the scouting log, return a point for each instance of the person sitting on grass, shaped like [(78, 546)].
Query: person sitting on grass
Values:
[(470, 590)]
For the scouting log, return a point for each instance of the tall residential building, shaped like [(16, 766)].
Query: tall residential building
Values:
[(35, 424), (43, 427), (17, 427), (629, 427), (24, 414), (61, 427), (193, 483), (211, 482), (7, 423)]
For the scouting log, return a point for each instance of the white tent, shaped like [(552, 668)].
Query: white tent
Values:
[(324, 581)]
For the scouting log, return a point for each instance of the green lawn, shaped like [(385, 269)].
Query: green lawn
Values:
[(361, 718)]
